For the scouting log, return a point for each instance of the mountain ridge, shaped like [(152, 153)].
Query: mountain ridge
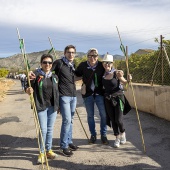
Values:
[(16, 60)]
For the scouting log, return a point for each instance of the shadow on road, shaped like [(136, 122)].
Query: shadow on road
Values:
[(14, 92), (156, 133), (16, 153)]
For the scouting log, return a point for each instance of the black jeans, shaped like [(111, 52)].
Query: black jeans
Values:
[(115, 115)]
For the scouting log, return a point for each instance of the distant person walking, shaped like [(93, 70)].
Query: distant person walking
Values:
[(23, 79), (44, 87), (115, 100)]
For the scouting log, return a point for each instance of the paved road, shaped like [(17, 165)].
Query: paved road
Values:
[(18, 143)]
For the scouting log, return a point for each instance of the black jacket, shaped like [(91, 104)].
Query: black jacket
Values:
[(38, 98), (66, 77), (88, 75)]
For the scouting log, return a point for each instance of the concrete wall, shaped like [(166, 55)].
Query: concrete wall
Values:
[(151, 99)]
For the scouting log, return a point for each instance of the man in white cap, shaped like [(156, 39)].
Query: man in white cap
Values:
[(92, 72)]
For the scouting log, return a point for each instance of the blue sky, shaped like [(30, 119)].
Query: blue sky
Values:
[(83, 23)]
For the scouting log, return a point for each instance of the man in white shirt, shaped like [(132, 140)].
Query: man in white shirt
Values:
[(22, 78)]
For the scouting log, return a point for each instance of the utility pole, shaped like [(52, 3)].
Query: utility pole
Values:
[(162, 56), (161, 53)]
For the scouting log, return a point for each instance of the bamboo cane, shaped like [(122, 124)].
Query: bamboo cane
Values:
[(52, 47), (82, 125), (36, 120), (126, 59), (167, 58), (155, 68)]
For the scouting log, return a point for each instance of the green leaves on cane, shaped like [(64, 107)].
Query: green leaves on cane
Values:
[(55, 80), (121, 105), (51, 50), (40, 83), (123, 49), (96, 80), (21, 42)]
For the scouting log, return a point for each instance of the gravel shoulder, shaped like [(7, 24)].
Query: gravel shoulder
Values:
[(19, 149)]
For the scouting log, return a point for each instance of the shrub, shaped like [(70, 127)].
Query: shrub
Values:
[(3, 72)]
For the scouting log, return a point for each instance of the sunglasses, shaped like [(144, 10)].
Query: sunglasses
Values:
[(92, 56), (107, 62), (47, 62)]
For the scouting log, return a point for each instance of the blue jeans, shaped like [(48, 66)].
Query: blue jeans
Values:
[(47, 119), (22, 84), (89, 104), (67, 109)]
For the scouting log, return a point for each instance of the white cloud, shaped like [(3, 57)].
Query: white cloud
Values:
[(86, 16), (137, 20)]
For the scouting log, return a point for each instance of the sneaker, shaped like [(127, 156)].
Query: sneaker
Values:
[(117, 143), (67, 152), (104, 140), (73, 147), (92, 140), (50, 154), (41, 158), (123, 138)]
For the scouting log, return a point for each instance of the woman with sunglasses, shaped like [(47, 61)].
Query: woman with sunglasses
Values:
[(45, 92), (114, 99)]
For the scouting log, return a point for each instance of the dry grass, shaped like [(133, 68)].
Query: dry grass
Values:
[(5, 84)]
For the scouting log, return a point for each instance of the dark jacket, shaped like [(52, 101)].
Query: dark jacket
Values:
[(88, 75), (114, 95), (38, 98), (66, 77)]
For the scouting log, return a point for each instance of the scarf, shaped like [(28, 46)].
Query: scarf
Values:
[(70, 64), (109, 72), (93, 84), (92, 67), (41, 72)]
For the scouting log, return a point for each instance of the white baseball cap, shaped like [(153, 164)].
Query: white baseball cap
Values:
[(92, 49)]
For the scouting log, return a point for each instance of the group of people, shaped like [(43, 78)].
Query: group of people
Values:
[(53, 86)]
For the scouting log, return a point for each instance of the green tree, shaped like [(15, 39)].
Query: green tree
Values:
[(146, 67), (78, 60), (3, 72)]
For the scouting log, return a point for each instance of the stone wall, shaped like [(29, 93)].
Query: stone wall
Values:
[(151, 99)]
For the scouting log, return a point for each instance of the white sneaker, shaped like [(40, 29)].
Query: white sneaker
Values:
[(117, 143), (123, 138)]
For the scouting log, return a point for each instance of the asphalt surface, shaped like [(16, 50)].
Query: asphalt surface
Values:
[(19, 148)]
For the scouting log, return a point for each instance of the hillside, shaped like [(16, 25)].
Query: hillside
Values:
[(143, 51), (16, 61)]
